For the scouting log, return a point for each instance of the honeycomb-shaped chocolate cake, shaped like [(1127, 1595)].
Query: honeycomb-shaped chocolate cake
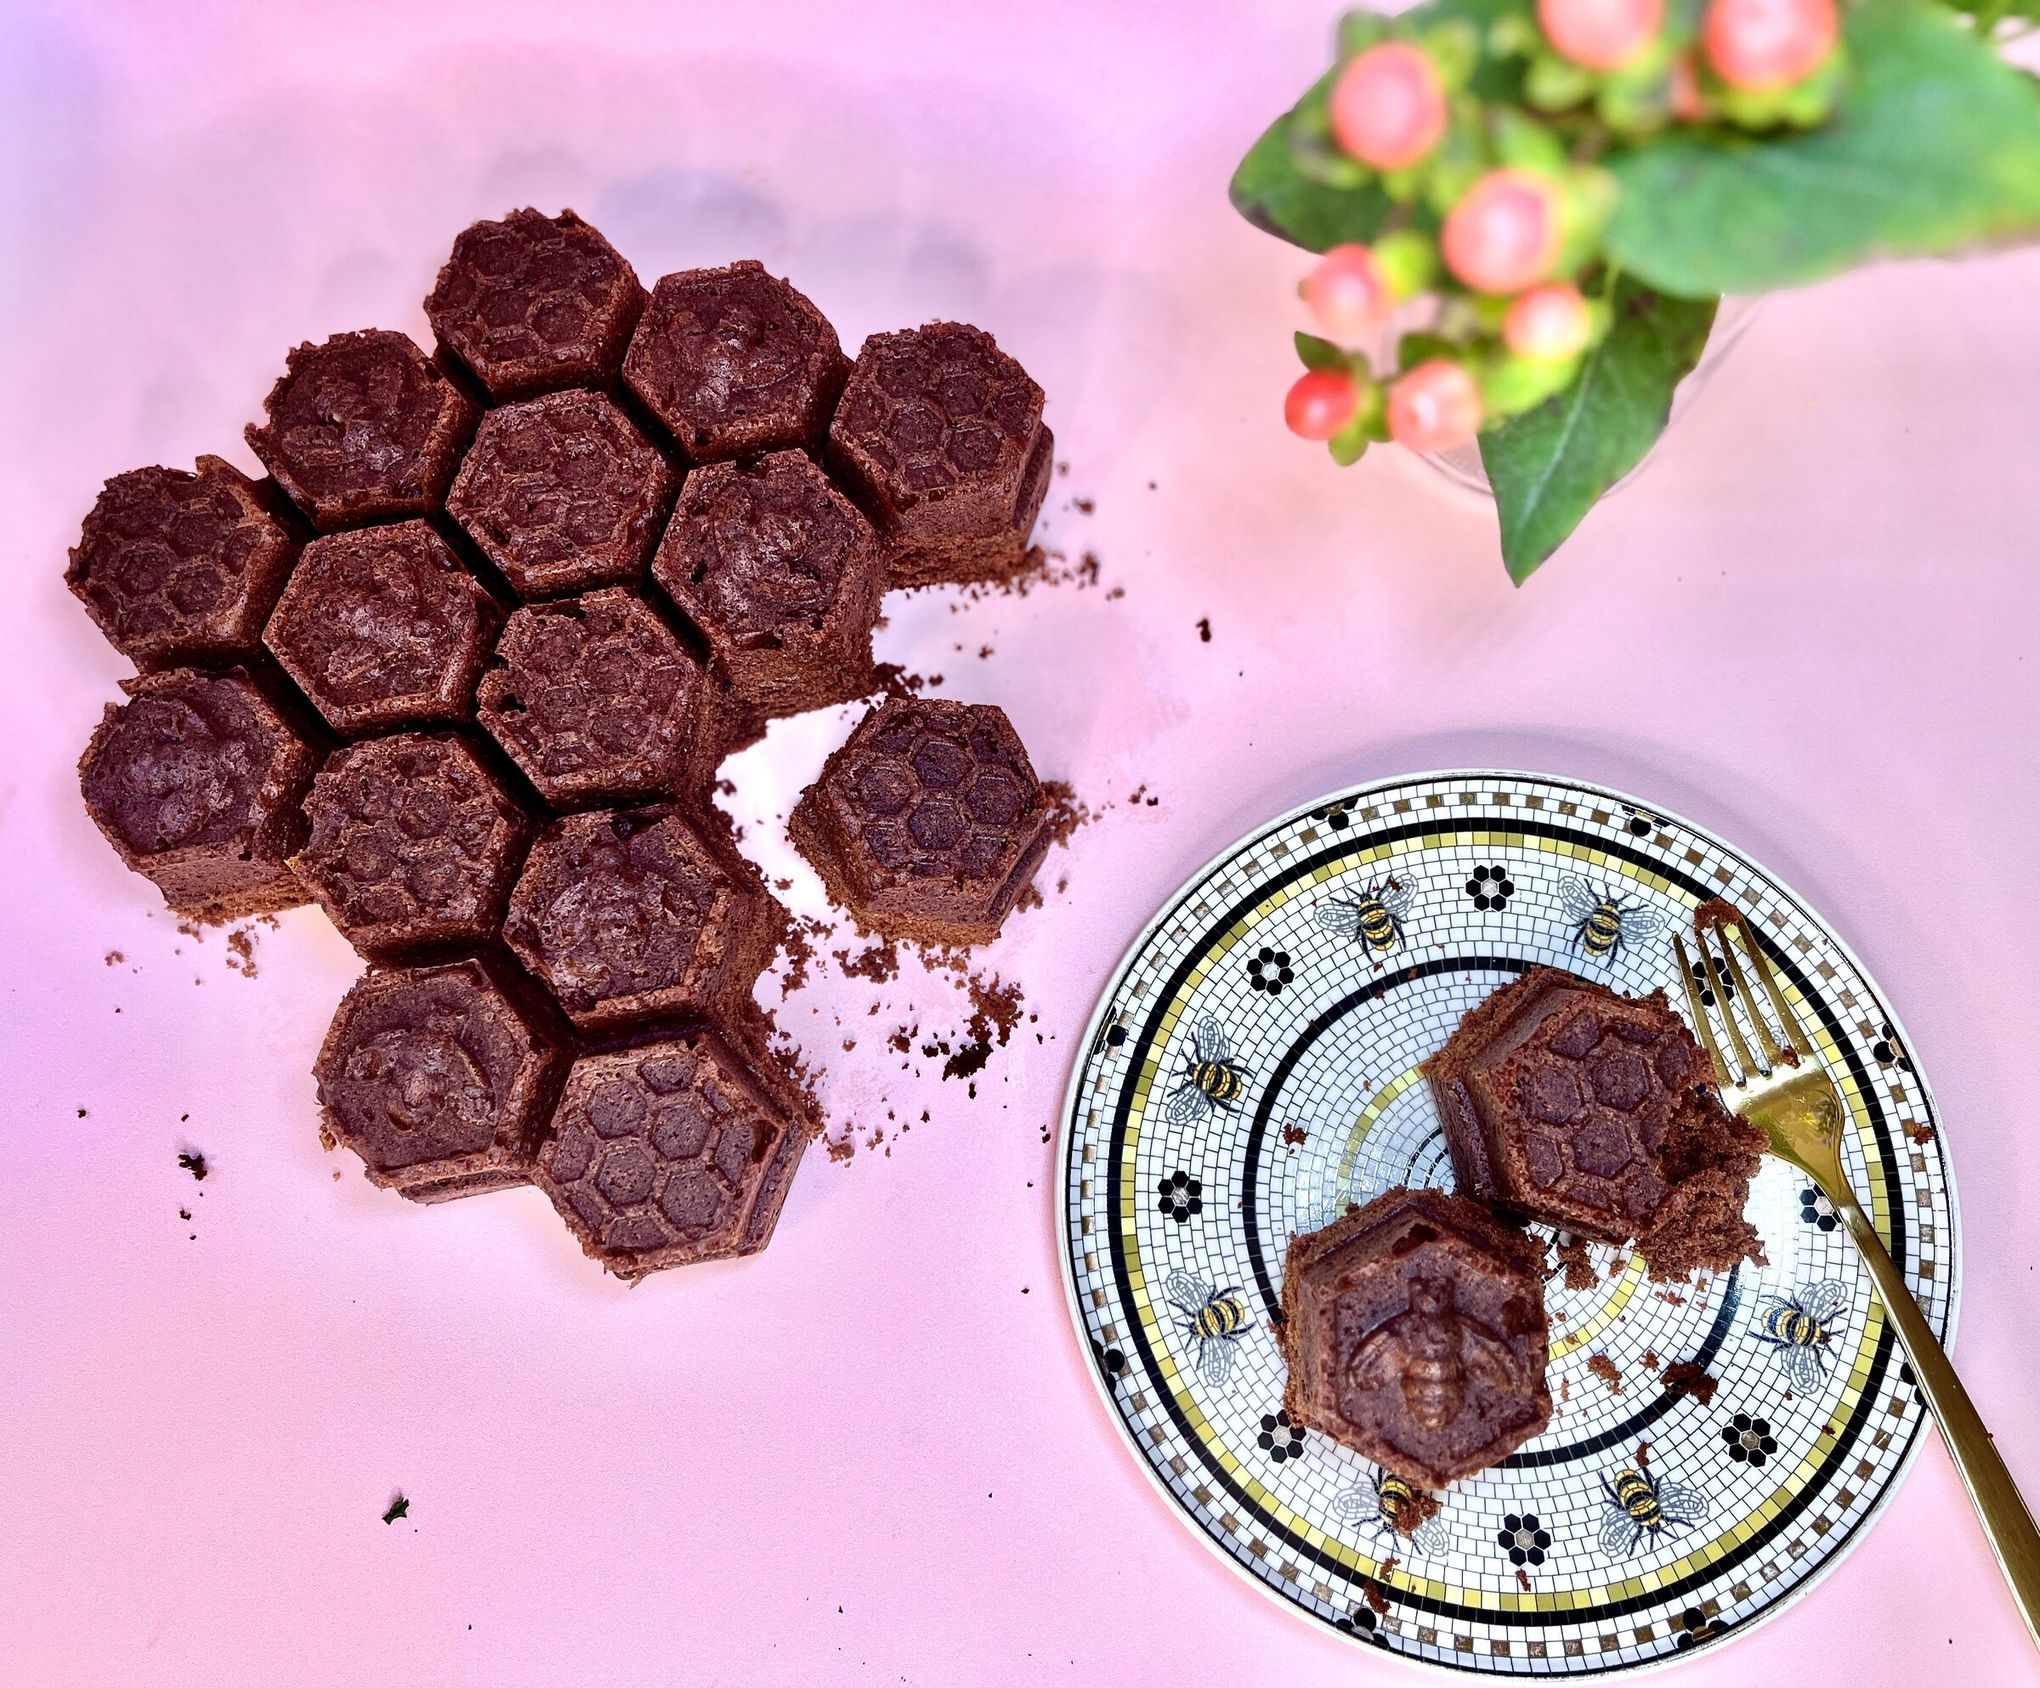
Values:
[(638, 914), (196, 781), (673, 1152), (595, 699), (783, 575), (414, 843), (178, 567), (440, 1078), (1415, 1333), (534, 302), (928, 822), (363, 427), (562, 494), (940, 434), (734, 362), (384, 627)]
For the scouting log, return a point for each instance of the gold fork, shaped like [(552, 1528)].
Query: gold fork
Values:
[(1779, 1083)]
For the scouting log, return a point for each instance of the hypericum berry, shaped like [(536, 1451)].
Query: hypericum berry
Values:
[(1548, 322), (1758, 45), (1321, 403), (1434, 407), (1600, 34), (1347, 292), (1388, 106), (1505, 233)]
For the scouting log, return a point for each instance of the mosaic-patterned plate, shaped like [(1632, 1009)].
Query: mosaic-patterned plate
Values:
[(1177, 1211)]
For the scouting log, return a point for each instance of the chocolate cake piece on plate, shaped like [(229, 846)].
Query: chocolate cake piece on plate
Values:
[(1566, 1101)]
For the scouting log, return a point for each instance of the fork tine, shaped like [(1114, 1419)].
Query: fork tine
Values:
[(1702, 1021), (1740, 989), (1751, 1066), (1789, 1023)]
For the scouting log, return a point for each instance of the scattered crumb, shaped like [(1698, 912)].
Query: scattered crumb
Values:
[(1564, 1390), (1687, 1378), (114, 958), (399, 1508), (1377, 1602), (1423, 1507), (1065, 813), (1295, 1136), (1204, 628), (1651, 1361), (193, 1162), (241, 950), (878, 962), (1579, 1270), (1084, 506), (1643, 1455), (1671, 1295), (1522, 1579), (1607, 1371), (1920, 1133)]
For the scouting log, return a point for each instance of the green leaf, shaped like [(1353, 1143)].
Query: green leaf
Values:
[(1318, 354), (1272, 194), (1549, 465), (1935, 146)]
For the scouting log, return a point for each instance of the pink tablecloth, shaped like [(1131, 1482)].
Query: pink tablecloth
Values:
[(873, 1453)]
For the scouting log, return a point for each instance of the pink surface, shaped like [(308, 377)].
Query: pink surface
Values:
[(873, 1454)]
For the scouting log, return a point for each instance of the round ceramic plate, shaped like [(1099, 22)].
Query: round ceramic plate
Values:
[(1174, 1207)]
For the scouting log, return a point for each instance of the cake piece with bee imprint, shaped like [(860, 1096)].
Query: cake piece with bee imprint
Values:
[(1566, 1101), (1415, 1333)]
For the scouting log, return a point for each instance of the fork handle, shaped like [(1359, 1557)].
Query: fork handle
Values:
[(2006, 1521)]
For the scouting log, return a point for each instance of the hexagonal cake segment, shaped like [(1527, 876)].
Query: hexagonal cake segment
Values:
[(534, 303), (673, 1152), (733, 362), (634, 915), (939, 433), (413, 843), (1415, 1333), (363, 427), (928, 822), (440, 1078), (196, 782), (384, 627), (178, 567), (562, 494), (782, 574), (595, 699)]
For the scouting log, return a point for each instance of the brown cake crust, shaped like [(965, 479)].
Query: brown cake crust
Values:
[(783, 576), (179, 568), (927, 823), (1415, 1333), (196, 782), (363, 427), (384, 627), (414, 844), (939, 434), (562, 494), (533, 303), (631, 916), (733, 361), (1565, 1101), (674, 1151), (440, 1078)]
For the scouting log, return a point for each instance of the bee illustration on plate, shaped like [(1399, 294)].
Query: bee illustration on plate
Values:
[(1385, 1506), (1640, 1505), (1214, 1318), (1374, 918), (1435, 1353), (1799, 1329), (1603, 923), (1212, 1080)]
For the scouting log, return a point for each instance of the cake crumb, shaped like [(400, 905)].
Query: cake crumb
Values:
[(1689, 1378), (1204, 629), (1377, 1602), (241, 951), (1607, 1371), (1920, 1133), (1579, 1270), (114, 958), (193, 1162), (1295, 1136), (400, 1507), (1522, 1579)]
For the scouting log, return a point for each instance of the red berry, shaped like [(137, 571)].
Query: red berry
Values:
[(1434, 407), (1600, 34), (1505, 233), (1388, 106), (1347, 293), (1763, 44), (1548, 322), (1321, 403)]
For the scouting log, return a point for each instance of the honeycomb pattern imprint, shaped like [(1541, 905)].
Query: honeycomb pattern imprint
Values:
[(940, 434), (735, 361), (196, 782), (631, 914), (177, 567), (928, 822), (670, 1153), (532, 303), (383, 627), (439, 1078), (595, 698), (562, 494), (363, 427), (413, 842)]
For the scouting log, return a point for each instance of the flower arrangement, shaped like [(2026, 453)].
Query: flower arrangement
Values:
[(1549, 197)]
